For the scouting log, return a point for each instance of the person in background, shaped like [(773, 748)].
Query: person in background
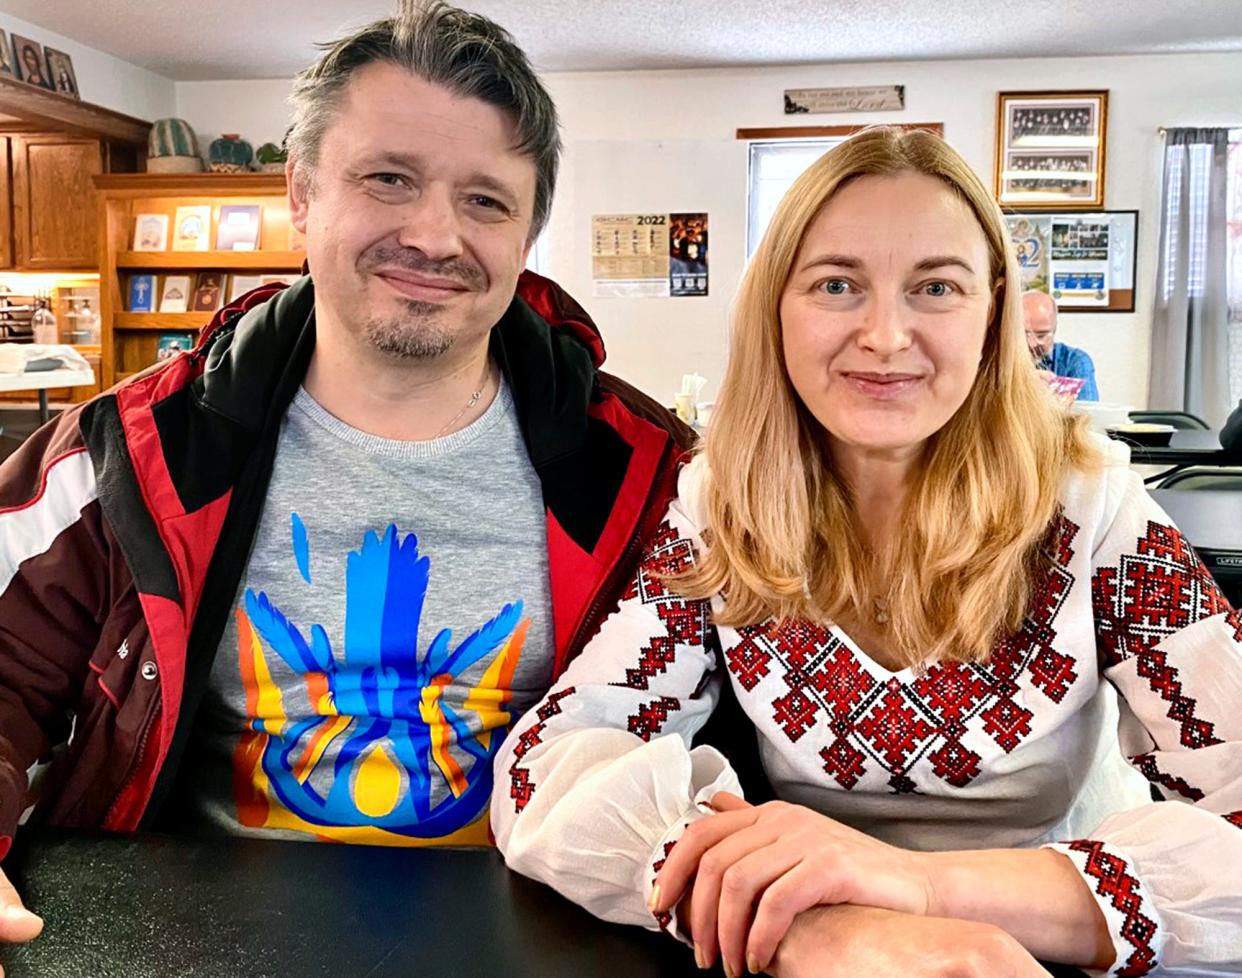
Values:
[(1231, 434), (298, 582), (1060, 359), (965, 641)]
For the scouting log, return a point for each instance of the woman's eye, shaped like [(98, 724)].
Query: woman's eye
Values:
[(938, 289), (836, 286)]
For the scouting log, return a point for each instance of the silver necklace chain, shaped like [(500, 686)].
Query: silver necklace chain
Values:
[(474, 399)]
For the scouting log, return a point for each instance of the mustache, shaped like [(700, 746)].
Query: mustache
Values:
[(411, 260)]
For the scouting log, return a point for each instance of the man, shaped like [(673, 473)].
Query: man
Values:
[(1231, 434), (1051, 357), (318, 564)]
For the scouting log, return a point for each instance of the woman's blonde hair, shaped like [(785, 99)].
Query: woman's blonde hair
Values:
[(782, 539)]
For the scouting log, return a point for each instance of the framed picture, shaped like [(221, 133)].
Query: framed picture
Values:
[(1086, 260), (60, 73), (6, 56), (29, 63), (1051, 149)]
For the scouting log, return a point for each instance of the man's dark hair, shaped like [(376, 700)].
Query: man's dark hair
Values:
[(471, 56)]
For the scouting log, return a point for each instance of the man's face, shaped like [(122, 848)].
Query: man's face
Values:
[(418, 217), (1041, 329)]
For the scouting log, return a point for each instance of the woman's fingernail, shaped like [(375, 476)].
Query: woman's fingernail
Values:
[(728, 969), (752, 964), (654, 900), (14, 912), (699, 961)]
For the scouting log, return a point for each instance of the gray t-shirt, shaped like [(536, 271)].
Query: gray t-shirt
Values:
[(393, 621)]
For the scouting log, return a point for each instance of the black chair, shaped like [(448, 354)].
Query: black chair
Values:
[(1205, 477), (1178, 419)]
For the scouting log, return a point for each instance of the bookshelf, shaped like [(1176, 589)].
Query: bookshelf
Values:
[(130, 340)]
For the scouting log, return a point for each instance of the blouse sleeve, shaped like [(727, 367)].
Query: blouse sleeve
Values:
[(602, 778), (1168, 875)]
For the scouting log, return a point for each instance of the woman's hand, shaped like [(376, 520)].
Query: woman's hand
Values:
[(847, 941), (777, 860)]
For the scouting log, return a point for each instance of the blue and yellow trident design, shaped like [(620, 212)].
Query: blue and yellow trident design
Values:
[(393, 715)]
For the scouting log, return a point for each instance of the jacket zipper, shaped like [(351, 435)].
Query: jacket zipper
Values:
[(139, 756)]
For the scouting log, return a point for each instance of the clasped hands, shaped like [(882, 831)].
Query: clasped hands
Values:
[(746, 876)]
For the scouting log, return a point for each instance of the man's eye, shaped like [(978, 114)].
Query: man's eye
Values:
[(388, 179), (487, 203)]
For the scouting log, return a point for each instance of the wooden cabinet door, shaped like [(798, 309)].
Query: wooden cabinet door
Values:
[(54, 219), (6, 207)]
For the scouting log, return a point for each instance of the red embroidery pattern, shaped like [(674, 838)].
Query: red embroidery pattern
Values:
[(651, 716), (685, 619), (1146, 763), (748, 661), (1153, 593), (665, 917), (1115, 882), (521, 788), (896, 724), (1235, 819)]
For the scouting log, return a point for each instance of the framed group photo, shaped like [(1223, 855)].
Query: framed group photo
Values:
[(1051, 149)]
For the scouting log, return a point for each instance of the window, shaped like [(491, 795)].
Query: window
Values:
[(779, 156), (1199, 161), (774, 165)]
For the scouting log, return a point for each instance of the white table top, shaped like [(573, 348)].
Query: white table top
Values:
[(46, 379)]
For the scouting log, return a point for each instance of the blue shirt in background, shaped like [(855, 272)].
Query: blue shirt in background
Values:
[(1069, 361)]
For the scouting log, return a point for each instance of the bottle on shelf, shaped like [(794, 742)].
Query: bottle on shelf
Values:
[(44, 325), (86, 327)]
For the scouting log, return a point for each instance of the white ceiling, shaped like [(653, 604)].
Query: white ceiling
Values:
[(217, 39)]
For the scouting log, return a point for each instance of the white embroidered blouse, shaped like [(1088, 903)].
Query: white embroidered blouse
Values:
[(1126, 674)]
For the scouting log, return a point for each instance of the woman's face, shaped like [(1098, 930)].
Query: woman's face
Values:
[(884, 315)]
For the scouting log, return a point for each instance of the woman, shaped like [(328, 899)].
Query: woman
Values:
[(926, 585)]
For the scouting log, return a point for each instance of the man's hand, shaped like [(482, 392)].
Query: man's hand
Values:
[(846, 941), (17, 924)]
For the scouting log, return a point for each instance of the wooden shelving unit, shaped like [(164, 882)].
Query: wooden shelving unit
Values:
[(130, 339), (182, 321), (222, 260), (41, 110)]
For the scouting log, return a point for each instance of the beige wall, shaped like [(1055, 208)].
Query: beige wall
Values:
[(654, 141)]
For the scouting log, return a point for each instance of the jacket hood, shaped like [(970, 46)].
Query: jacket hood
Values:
[(558, 308)]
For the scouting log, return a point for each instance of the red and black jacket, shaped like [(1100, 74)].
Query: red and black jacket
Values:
[(127, 523)]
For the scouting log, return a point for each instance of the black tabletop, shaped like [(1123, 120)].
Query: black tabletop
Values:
[(178, 907), (1211, 519), (1186, 447)]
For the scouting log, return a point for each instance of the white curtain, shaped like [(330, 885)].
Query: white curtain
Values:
[(1190, 324), (1235, 264)]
